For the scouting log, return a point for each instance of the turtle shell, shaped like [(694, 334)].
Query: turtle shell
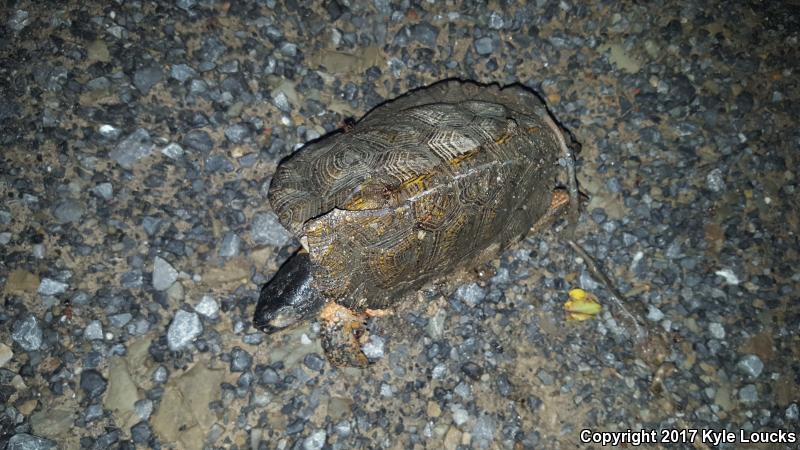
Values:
[(419, 186)]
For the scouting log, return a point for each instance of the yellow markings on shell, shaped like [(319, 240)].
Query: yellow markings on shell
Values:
[(504, 138), (356, 204), (461, 158), (417, 182)]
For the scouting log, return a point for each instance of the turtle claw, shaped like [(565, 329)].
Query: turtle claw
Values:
[(343, 333)]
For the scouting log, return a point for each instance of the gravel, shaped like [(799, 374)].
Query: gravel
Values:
[(130, 275), (24, 441), (266, 230), (93, 384), (751, 366), (93, 331), (183, 330), (240, 360), (68, 211), (164, 275), (315, 441), (51, 287), (208, 307), (27, 333), (374, 347), (134, 147)]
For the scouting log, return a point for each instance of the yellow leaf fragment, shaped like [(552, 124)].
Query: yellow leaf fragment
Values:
[(581, 305)]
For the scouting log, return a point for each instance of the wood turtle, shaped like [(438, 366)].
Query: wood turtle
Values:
[(435, 179)]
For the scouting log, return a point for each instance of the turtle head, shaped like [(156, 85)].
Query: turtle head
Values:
[(290, 296)]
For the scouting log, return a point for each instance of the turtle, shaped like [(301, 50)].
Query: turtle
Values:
[(433, 180)]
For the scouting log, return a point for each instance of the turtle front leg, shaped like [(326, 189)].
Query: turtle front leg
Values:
[(342, 333)]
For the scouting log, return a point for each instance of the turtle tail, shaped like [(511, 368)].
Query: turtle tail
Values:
[(290, 297)]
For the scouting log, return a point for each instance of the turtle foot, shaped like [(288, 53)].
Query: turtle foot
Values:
[(343, 333)]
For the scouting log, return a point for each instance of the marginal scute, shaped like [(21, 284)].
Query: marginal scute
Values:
[(420, 185)]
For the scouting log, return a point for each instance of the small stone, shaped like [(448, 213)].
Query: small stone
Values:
[(435, 327), (289, 49), (315, 441), (266, 230), (471, 294), (17, 22), (282, 102), (717, 330), (182, 72), (237, 133), (472, 370), (715, 181), (120, 320), (146, 78), (460, 415), (93, 331), (314, 362), (93, 412), (68, 211), (136, 146), (49, 286), (425, 33), (748, 394), (208, 307), (433, 409), (5, 354), (184, 329), (792, 412), (729, 276), (160, 375), (143, 407), (439, 372), (261, 399), (198, 140), (545, 378), (109, 131), (93, 384), (483, 431), (269, 376), (141, 433), (374, 348), (27, 333), (107, 440), (654, 314), (343, 428), (484, 45), (463, 390), (104, 191), (164, 275), (198, 87), (24, 441), (240, 360), (231, 66), (172, 151), (139, 327), (751, 365), (230, 246), (496, 21), (151, 225)]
